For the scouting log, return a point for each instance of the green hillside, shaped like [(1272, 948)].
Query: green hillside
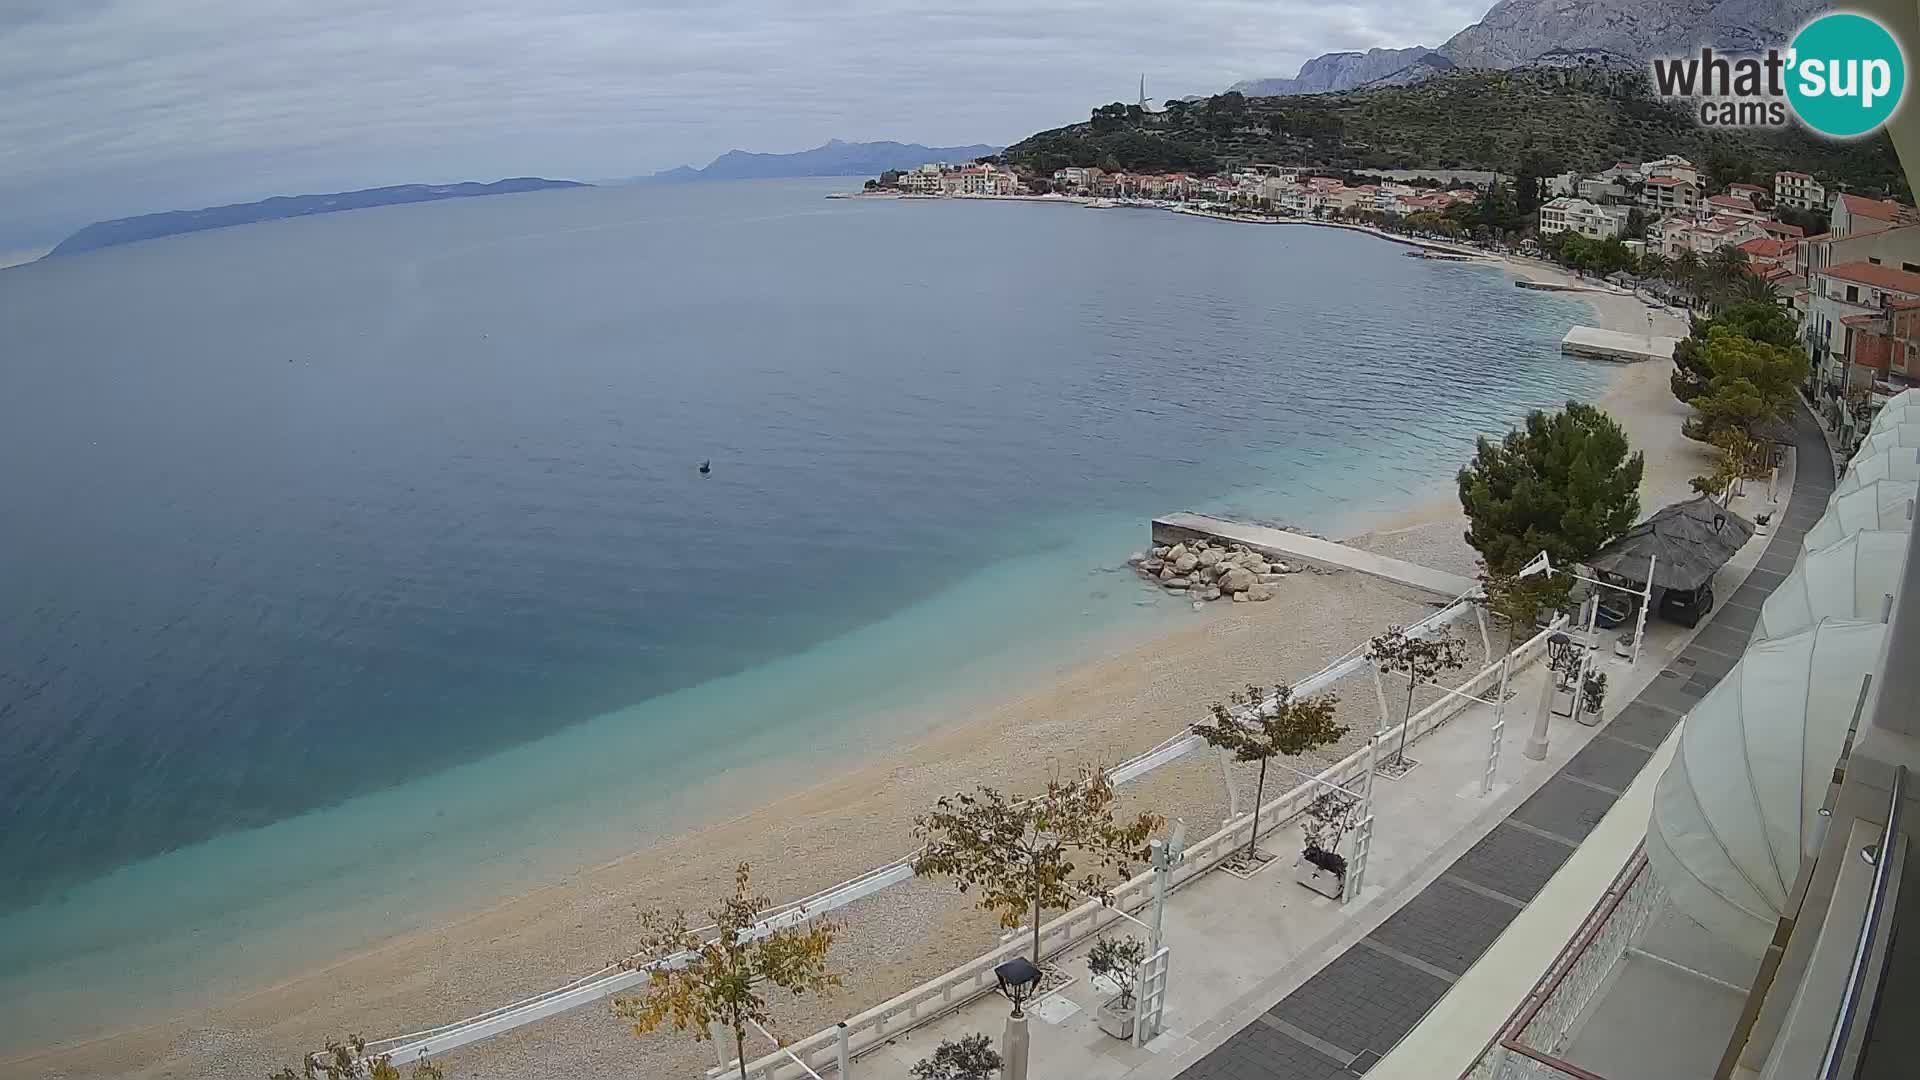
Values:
[(1569, 118)]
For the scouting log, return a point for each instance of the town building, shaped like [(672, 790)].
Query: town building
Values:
[(1672, 167), (978, 180), (1670, 194), (1839, 293), (1753, 193), (1076, 176), (1798, 190), (1855, 214), (1730, 206), (1568, 214)]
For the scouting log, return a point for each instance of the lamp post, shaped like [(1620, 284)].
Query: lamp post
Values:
[(1019, 979), (1559, 647)]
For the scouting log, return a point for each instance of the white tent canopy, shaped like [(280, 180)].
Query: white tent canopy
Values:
[(1848, 580), (1737, 809), (1893, 437), (1902, 408), (1901, 463), (1883, 504)]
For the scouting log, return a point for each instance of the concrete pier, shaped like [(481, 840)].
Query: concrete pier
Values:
[(1597, 344), (1298, 548)]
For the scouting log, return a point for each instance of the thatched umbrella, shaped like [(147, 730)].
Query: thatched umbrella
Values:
[(1689, 541)]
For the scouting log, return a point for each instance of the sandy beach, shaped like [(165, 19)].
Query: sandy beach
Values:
[(810, 832)]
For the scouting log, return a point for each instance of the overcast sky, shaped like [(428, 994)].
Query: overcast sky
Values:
[(115, 107)]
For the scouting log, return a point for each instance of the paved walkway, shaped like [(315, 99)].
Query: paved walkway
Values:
[(1299, 547), (1340, 1022)]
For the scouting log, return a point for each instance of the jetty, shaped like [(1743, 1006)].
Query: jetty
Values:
[(1296, 547), (1594, 343)]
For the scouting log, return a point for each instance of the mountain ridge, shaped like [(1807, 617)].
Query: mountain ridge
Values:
[(831, 158), (130, 230), (1516, 33)]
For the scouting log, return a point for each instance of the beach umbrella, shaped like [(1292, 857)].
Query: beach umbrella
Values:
[(1900, 463), (1895, 437), (1883, 504), (1689, 542), (1852, 579), (1739, 805)]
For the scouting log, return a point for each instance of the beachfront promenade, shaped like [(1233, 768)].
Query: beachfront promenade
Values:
[(1270, 981)]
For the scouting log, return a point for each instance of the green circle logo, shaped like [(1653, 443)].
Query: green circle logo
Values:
[(1846, 75)]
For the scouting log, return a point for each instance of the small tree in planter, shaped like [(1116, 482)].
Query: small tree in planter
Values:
[(1019, 852), (349, 1061), (1260, 727), (1419, 660), (1327, 821), (1594, 694), (970, 1057), (1114, 962)]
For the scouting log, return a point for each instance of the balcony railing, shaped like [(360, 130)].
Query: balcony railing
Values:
[(1543, 1024)]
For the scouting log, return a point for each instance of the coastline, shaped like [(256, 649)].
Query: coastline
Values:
[(806, 836)]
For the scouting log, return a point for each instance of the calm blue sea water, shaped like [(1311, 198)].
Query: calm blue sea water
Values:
[(352, 556)]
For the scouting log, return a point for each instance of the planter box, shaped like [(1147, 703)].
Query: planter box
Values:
[(1326, 883), (1116, 1020)]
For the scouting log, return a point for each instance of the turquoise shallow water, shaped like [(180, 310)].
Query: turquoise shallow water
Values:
[(363, 561)]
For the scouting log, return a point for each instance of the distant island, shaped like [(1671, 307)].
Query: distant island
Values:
[(833, 158), (130, 230)]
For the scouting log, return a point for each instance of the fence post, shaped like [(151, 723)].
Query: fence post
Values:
[(844, 1052)]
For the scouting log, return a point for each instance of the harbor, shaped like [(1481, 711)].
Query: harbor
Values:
[(1595, 343)]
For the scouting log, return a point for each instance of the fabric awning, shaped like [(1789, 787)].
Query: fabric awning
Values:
[(1738, 807), (1848, 580), (1900, 463), (1883, 504), (1690, 541), (1893, 437)]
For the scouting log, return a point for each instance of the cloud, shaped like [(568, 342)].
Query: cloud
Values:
[(140, 104)]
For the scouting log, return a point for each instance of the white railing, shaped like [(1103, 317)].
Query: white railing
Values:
[(1539, 1030), (611, 980), (946, 993)]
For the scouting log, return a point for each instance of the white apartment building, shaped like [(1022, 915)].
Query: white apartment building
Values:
[(1670, 194), (1799, 190), (1568, 214), (1672, 167)]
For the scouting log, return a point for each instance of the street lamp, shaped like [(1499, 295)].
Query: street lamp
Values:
[(1019, 980)]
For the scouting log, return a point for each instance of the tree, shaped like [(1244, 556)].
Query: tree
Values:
[(1759, 320), (348, 1061), (1749, 382), (1420, 660), (1020, 853), (722, 979), (1259, 727), (1636, 224), (1734, 460), (1518, 601), (970, 1057), (1565, 484)]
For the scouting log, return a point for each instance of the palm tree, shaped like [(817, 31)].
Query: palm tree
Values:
[(1756, 289), (1685, 273), (1724, 269), (1655, 266)]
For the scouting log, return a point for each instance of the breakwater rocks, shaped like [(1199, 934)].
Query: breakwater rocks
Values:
[(1207, 570)]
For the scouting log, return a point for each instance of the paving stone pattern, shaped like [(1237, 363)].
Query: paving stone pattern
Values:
[(1370, 996)]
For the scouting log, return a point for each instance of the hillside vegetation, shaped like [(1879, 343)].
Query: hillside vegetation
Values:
[(1563, 117)]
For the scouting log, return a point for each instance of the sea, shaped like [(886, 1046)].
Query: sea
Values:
[(359, 569)]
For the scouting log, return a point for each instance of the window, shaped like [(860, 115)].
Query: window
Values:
[(1853, 294), (1874, 259)]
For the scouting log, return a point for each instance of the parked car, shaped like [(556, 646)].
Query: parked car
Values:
[(1687, 608)]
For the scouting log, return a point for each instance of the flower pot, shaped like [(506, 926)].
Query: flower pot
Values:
[(1116, 1019)]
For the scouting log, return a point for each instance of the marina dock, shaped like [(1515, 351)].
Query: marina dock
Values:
[(1296, 547), (1596, 344)]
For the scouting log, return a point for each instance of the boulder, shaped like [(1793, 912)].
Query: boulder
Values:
[(1159, 552), (1239, 598), (1186, 562), (1259, 592), (1209, 572), (1175, 553), (1137, 558), (1237, 579), (1177, 584), (1210, 556), (1283, 568), (1166, 573), (1256, 565), (1152, 566), (1209, 593)]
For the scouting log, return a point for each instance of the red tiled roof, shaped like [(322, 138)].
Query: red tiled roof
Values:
[(1878, 209), (1880, 277), (1795, 175), (1732, 201), (1746, 187), (1665, 181), (1783, 229), (1766, 247)]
